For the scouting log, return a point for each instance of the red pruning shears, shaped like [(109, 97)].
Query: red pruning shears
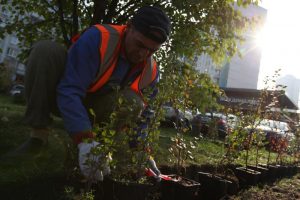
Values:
[(150, 173)]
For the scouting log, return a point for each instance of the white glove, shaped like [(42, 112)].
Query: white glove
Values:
[(91, 166), (154, 168)]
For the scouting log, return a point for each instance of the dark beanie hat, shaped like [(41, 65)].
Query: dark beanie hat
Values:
[(153, 23)]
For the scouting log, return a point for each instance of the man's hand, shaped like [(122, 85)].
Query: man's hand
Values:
[(153, 167), (92, 166)]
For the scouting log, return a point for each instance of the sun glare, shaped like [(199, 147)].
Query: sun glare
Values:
[(259, 39), (279, 39)]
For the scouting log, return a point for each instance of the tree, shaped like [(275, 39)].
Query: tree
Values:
[(199, 26)]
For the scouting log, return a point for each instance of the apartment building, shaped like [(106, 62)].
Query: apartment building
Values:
[(240, 72), (9, 50)]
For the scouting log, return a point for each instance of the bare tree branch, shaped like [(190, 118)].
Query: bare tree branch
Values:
[(62, 23)]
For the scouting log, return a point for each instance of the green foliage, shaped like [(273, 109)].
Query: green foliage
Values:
[(70, 194), (248, 134), (181, 150), (294, 146), (198, 26), (185, 88), (46, 177), (123, 143)]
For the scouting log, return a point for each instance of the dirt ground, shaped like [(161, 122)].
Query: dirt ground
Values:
[(285, 189)]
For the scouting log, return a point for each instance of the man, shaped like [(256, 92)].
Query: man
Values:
[(103, 57)]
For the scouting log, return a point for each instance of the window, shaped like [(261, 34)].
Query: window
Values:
[(12, 52), (14, 40)]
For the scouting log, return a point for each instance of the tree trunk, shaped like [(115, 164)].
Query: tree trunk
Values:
[(247, 156), (99, 11), (256, 159), (269, 155), (62, 23), (75, 18)]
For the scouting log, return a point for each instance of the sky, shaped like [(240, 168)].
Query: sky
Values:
[(280, 38)]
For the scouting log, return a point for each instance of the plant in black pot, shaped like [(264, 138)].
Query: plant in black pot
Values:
[(190, 90), (255, 125), (294, 151), (259, 143), (243, 142), (180, 187), (185, 88), (124, 152), (219, 181), (278, 137), (244, 137), (279, 144)]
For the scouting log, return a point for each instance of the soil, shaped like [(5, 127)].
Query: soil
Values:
[(183, 181), (283, 189)]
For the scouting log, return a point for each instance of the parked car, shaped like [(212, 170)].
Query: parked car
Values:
[(224, 123), (274, 130), (176, 115), (17, 93), (17, 90)]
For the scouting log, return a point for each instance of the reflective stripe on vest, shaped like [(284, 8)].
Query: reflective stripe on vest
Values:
[(147, 76), (109, 51)]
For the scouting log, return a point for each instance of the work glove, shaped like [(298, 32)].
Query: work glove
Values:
[(92, 166)]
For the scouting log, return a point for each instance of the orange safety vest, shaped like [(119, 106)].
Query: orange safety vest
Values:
[(109, 51)]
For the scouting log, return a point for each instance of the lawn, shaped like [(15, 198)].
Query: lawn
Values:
[(47, 175)]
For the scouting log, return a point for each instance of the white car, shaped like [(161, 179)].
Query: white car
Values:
[(171, 115), (17, 89), (274, 128)]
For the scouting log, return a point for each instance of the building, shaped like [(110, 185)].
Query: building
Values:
[(9, 46), (204, 64), (293, 87), (240, 72), (249, 100)]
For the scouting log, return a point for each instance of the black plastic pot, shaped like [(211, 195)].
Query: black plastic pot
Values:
[(118, 190), (263, 172), (293, 170), (282, 171), (273, 172), (213, 187), (184, 188), (247, 176)]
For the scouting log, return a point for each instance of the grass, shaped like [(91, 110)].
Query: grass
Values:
[(53, 169), (208, 151), (30, 174)]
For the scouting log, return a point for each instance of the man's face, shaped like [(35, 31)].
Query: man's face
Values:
[(137, 46)]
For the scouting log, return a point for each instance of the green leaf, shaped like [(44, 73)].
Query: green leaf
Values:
[(92, 112)]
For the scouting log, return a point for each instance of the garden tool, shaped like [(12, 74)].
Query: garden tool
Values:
[(149, 172)]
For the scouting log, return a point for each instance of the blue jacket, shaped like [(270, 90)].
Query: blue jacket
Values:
[(81, 69)]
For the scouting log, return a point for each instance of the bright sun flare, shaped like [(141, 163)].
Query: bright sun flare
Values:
[(280, 38)]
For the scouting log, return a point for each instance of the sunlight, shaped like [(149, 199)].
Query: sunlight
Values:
[(260, 39), (279, 39)]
